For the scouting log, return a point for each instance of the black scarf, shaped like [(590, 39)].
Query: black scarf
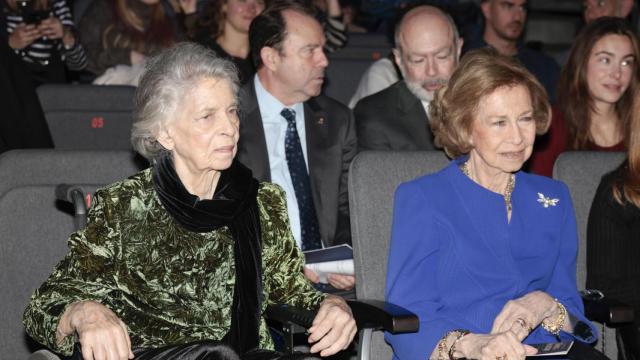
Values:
[(234, 204)]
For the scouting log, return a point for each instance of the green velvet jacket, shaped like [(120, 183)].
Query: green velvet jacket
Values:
[(168, 284)]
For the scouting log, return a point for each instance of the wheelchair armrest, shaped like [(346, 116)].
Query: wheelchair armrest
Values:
[(606, 310), (378, 314), (374, 314)]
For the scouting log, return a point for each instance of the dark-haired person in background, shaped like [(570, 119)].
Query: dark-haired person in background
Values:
[(223, 26), (613, 237), (596, 93), (293, 136), (504, 23), (43, 34)]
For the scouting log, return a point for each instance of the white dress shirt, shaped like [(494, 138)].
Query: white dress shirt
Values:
[(275, 129)]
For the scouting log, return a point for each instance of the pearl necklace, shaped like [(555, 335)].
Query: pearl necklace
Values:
[(511, 183)]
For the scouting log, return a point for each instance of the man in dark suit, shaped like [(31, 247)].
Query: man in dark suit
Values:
[(427, 51), (293, 136)]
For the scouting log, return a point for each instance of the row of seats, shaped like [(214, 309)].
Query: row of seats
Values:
[(33, 227), (97, 117)]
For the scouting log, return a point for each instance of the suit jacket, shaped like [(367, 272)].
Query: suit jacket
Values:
[(455, 261), (392, 119), (331, 145)]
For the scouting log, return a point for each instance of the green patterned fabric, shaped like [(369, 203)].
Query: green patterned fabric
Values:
[(169, 285)]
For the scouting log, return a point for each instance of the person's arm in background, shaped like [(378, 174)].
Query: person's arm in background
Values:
[(60, 26), (335, 30)]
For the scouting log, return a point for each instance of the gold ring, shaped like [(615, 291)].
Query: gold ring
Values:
[(522, 322)]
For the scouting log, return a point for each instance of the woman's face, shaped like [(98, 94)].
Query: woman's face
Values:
[(204, 132), (610, 68), (240, 13), (503, 130)]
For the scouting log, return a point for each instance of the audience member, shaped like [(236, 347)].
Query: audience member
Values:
[(484, 253), (504, 22), (223, 27), (427, 51), (595, 9), (43, 34), (293, 136), (120, 34), (187, 254), (22, 124), (613, 237), (595, 94), (329, 13), (379, 76)]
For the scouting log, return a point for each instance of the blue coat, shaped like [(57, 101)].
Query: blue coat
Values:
[(455, 260)]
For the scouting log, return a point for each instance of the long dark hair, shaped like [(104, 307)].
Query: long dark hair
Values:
[(629, 189), (573, 90), (130, 30)]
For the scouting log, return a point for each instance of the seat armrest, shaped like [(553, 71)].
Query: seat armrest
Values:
[(378, 314), (606, 310), (373, 314)]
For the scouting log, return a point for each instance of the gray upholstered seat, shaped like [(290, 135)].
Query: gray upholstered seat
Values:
[(42, 167), (33, 239), (88, 117), (373, 179), (582, 171)]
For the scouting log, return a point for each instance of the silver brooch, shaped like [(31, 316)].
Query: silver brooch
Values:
[(545, 201)]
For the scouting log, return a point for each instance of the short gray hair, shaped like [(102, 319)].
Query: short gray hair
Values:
[(446, 15), (167, 78)]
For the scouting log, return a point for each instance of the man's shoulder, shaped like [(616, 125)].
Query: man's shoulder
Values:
[(382, 98), (329, 104)]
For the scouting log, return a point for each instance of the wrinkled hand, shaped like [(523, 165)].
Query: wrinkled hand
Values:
[(341, 282), (51, 28), (188, 6), (23, 36), (532, 308), (333, 328), (311, 275), (493, 346), (103, 336)]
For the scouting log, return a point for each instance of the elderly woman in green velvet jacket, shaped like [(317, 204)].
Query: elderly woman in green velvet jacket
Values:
[(187, 254)]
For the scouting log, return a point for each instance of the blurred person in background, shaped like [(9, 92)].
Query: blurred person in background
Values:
[(120, 34), (43, 34), (596, 93)]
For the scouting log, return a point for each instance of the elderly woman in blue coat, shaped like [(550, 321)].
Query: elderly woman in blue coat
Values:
[(484, 253)]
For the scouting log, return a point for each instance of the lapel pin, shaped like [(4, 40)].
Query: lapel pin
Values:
[(321, 121)]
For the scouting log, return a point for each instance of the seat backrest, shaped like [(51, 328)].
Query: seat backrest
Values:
[(373, 179), (582, 172), (343, 76), (91, 117), (42, 167), (33, 235)]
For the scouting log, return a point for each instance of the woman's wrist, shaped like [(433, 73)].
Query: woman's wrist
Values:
[(555, 322), (68, 39)]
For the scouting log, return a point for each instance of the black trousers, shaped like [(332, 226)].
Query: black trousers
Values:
[(628, 339), (201, 350)]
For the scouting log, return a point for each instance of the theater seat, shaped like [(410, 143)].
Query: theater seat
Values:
[(373, 178), (582, 172), (88, 117)]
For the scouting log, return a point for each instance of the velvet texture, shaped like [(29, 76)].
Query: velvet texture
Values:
[(233, 205)]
